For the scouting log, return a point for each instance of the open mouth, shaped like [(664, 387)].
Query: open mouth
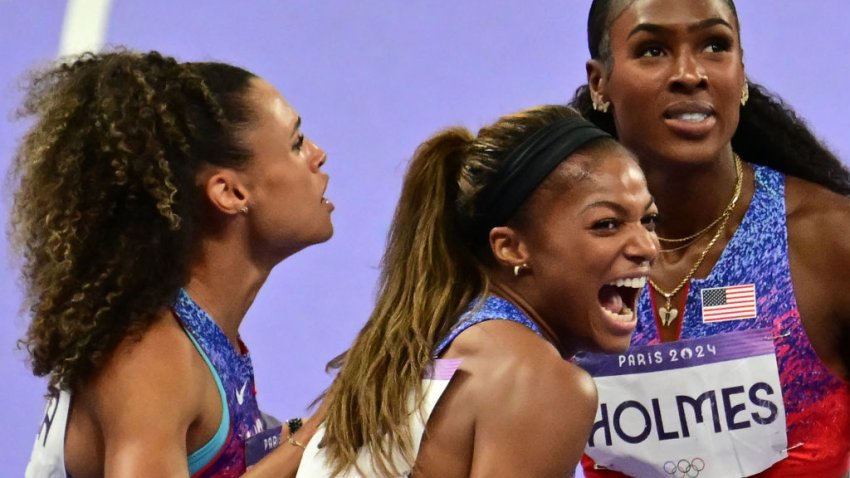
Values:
[(690, 111), (695, 117), (690, 119), (618, 298), (325, 201)]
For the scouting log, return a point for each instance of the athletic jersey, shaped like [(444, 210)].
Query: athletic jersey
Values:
[(817, 402), (224, 455), (434, 383)]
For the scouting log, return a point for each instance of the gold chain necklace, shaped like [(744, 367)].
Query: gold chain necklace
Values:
[(707, 228), (668, 313), (696, 234)]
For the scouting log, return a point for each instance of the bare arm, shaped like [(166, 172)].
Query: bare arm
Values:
[(536, 424), (284, 460), (146, 399), (818, 232)]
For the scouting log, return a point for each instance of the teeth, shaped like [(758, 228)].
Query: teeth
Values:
[(692, 117), (626, 315), (635, 283)]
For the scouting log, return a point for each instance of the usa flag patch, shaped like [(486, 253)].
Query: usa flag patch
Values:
[(737, 302)]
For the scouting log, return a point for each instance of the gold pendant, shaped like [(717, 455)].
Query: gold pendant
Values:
[(668, 314)]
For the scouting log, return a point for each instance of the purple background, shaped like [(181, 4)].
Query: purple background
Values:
[(372, 79)]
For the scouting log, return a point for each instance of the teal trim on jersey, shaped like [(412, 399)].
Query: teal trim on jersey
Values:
[(205, 454)]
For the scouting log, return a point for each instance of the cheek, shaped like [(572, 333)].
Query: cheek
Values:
[(574, 263), (634, 105)]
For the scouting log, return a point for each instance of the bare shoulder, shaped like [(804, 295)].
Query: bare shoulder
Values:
[(815, 212), (518, 361), (819, 255), (142, 402), (818, 225), (155, 377), (161, 356), (533, 409)]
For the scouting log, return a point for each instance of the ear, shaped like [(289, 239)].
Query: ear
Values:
[(508, 247), (225, 192), (597, 80)]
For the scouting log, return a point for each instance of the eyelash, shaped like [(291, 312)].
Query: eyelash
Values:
[(650, 221), (644, 51), (721, 44), (606, 225), (299, 143)]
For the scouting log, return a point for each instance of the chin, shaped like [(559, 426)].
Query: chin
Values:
[(327, 235), (613, 345)]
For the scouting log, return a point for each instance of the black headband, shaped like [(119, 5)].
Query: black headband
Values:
[(527, 165)]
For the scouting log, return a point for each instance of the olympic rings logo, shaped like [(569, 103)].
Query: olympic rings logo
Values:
[(684, 468)]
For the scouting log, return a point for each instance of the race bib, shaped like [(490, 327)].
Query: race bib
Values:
[(261, 444), (709, 408)]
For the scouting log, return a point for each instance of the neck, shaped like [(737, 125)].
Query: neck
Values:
[(690, 196), (224, 281), (507, 292)]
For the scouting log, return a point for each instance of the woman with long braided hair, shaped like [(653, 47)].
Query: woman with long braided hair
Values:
[(153, 199)]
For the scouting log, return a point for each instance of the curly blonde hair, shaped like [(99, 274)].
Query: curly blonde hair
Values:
[(106, 208)]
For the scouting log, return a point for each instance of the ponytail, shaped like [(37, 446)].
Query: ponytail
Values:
[(428, 276), (434, 267)]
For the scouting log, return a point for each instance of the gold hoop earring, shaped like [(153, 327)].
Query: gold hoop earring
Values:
[(745, 94)]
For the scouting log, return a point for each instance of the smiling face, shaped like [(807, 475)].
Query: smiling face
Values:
[(675, 79), (284, 185), (589, 236)]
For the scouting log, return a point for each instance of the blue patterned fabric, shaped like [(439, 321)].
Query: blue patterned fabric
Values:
[(491, 308), (236, 374), (817, 402)]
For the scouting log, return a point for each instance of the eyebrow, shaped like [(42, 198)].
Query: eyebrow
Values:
[(701, 25), (616, 206), (297, 125)]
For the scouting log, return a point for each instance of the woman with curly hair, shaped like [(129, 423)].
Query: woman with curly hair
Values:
[(508, 252), (755, 216), (153, 200)]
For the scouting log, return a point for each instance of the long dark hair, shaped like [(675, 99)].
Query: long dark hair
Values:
[(769, 131)]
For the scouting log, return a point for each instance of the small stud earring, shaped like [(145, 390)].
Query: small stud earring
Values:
[(519, 268), (243, 209), (745, 94)]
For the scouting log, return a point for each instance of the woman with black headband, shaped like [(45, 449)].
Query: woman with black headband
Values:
[(509, 251)]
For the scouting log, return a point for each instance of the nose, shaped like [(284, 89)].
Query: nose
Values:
[(688, 72), (642, 246), (318, 157)]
